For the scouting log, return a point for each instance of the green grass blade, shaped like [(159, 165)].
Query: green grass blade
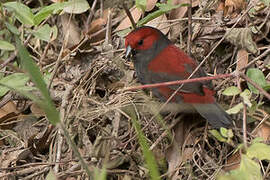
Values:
[(35, 75)]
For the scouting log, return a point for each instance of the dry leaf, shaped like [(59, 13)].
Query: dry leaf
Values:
[(160, 24), (233, 162), (242, 38), (136, 14), (10, 157), (264, 132), (97, 25), (182, 137), (71, 31), (7, 114), (242, 59), (234, 7), (37, 111), (150, 5)]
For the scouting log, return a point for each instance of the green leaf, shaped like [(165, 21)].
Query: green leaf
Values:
[(250, 168), (47, 11), (51, 175), (260, 151), (224, 132), (76, 6), (257, 76), (234, 110), (231, 91), (22, 12), (100, 174), (123, 33), (12, 28), (217, 135), (230, 133), (15, 80), (141, 4), (4, 45), (257, 140), (148, 155), (246, 94), (46, 102), (163, 8), (267, 87), (44, 33)]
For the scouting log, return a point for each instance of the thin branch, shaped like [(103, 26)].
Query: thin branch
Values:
[(129, 16), (90, 16), (189, 27), (178, 82), (244, 121)]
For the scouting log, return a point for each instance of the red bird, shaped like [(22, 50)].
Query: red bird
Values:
[(157, 60)]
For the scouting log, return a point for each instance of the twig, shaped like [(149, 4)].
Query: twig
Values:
[(108, 37), (178, 82), (244, 122), (129, 16), (90, 16), (189, 27), (164, 134), (44, 52), (101, 7)]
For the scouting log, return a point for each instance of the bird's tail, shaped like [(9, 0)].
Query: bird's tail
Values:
[(215, 115)]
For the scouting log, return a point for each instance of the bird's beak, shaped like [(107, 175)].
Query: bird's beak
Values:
[(128, 51)]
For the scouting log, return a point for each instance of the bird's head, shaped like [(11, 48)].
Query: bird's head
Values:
[(141, 39)]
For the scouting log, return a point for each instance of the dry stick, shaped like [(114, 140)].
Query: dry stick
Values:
[(244, 122), (164, 134), (129, 16), (170, 83), (90, 16), (189, 27), (101, 8), (108, 37)]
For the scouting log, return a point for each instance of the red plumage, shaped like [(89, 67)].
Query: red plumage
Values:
[(157, 60)]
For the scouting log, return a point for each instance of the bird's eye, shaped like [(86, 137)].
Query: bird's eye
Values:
[(140, 42)]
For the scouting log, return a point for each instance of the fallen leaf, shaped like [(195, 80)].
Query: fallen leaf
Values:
[(71, 31), (242, 38), (150, 5), (264, 132), (9, 157), (234, 7), (8, 113), (76, 6), (182, 138), (160, 24), (37, 111), (242, 59), (233, 162), (136, 14)]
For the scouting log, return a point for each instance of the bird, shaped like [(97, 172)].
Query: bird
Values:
[(156, 59)]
